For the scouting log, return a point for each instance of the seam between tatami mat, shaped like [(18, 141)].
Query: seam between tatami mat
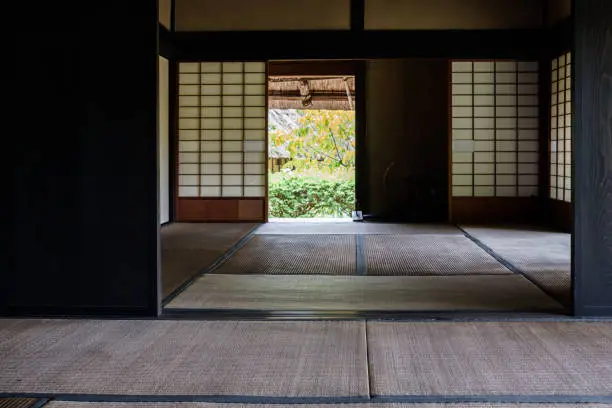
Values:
[(407, 399), (207, 269), (510, 265)]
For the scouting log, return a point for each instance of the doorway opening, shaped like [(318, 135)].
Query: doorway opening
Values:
[(311, 147)]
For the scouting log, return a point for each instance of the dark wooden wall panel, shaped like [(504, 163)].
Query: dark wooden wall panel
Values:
[(483, 210), (85, 220), (560, 215), (220, 210), (592, 179), (405, 176)]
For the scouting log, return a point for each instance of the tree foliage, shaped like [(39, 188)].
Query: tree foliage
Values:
[(324, 140), (298, 196)]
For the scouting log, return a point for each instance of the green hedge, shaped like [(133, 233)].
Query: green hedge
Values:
[(293, 196)]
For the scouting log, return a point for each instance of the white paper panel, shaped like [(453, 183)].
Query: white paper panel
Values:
[(210, 191), (189, 89), (232, 157), (254, 146), (462, 168), (255, 112), (210, 134), (462, 100), (232, 168), (254, 78), (528, 168), (484, 191), (253, 157), (254, 169), (232, 191), (185, 157), (210, 146), (462, 66), (189, 79), (211, 112), (484, 168), (210, 168), (251, 191), (254, 90), (186, 168), (258, 100), (232, 112), (233, 78), (254, 134), (484, 157), (484, 100), (483, 134), (188, 191), (505, 134), (484, 111), (506, 168), (232, 134), (210, 100), (232, 100), (254, 123), (189, 100), (188, 146), (188, 134), (484, 66), (232, 123), (189, 67), (212, 180), (210, 158), (233, 67), (255, 67), (462, 134), (462, 180), (502, 191), (210, 89), (484, 180), (460, 191), (210, 67), (254, 180), (210, 123), (211, 79), (232, 146), (231, 180)]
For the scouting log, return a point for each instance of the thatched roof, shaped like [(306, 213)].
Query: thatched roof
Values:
[(326, 92)]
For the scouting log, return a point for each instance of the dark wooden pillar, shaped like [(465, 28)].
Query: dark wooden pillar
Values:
[(85, 213), (592, 179)]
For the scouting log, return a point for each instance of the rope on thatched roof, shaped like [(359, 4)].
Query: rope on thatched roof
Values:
[(312, 92)]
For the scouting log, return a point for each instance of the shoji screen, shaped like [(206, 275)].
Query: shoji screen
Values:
[(222, 131), (561, 130), (494, 128)]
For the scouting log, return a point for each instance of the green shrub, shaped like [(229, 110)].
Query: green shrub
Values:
[(293, 196)]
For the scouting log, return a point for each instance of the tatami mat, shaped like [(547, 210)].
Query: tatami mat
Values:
[(58, 404), (490, 358), (544, 256), (298, 228), (17, 402), (183, 358), (416, 293), (294, 255), (427, 255), (188, 248)]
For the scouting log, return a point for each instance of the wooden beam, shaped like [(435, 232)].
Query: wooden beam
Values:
[(368, 44)]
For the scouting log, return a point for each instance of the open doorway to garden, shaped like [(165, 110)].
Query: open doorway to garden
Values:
[(311, 147)]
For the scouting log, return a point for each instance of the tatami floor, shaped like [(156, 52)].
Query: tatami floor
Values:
[(368, 267), (114, 363), (521, 361)]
